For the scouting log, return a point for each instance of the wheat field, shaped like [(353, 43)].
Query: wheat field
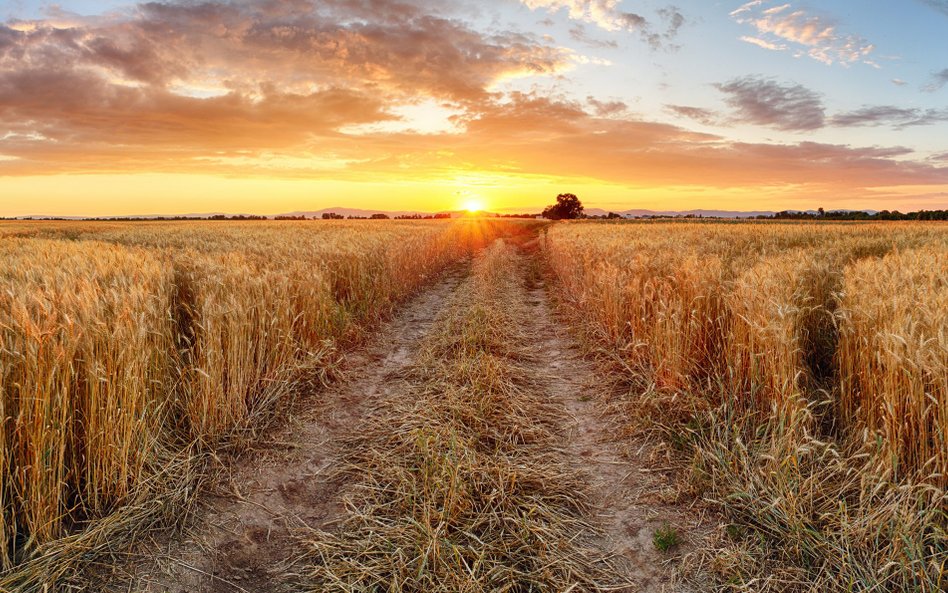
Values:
[(121, 344), (796, 373), (804, 367)]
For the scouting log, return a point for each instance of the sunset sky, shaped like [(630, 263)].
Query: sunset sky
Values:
[(270, 106)]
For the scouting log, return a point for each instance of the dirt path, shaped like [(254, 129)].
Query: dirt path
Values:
[(245, 540), (242, 542), (632, 496)]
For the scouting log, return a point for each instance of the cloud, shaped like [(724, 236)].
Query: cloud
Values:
[(578, 33), (529, 134), (938, 81), (793, 107), (898, 82), (897, 117), (939, 5), (763, 43), (390, 44), (275, 89), (698, 114), (607, 108), (674, 20), (765, 102), (168, 81), (811, 35), (607, 15)]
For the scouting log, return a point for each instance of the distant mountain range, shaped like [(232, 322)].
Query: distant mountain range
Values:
[(633, 213)]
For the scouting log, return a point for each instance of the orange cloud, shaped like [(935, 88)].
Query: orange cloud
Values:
[(293, 89), (113, 94)]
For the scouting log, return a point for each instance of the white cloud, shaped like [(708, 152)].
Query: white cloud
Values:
[(426, 117), (764, 44), (608, 16), (602, 13), (27, 136), (746, 8), (815, 36)]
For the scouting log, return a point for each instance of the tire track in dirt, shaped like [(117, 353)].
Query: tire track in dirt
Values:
[(464, 485), (631, 497), (242, 542)]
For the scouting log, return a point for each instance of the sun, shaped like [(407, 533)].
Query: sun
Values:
[(473, 205)]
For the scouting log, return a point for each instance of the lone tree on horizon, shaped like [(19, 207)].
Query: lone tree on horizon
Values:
[(567, 206)]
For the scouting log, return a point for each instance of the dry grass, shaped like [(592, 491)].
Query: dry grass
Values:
[(460, 487), (802, 375), (125, 346)]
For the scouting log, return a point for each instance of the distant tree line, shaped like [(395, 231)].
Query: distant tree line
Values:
[(860, 215), (150, 218), (438, 216), (382, 216), (676, 216), (567, 206), (236, 217)]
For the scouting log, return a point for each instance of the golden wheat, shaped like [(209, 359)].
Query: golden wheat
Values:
[(85, 361), (807, 365), (893, 356), (120, 341)]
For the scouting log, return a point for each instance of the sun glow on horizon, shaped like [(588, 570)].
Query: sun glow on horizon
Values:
[(474, 205), (459, 117)]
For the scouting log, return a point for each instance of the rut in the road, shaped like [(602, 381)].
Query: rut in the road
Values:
[(462, 489), (242, 542), (630, 496), (481, 473), (468, 453)]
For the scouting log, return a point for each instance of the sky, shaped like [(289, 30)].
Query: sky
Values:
[(272, 106)]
